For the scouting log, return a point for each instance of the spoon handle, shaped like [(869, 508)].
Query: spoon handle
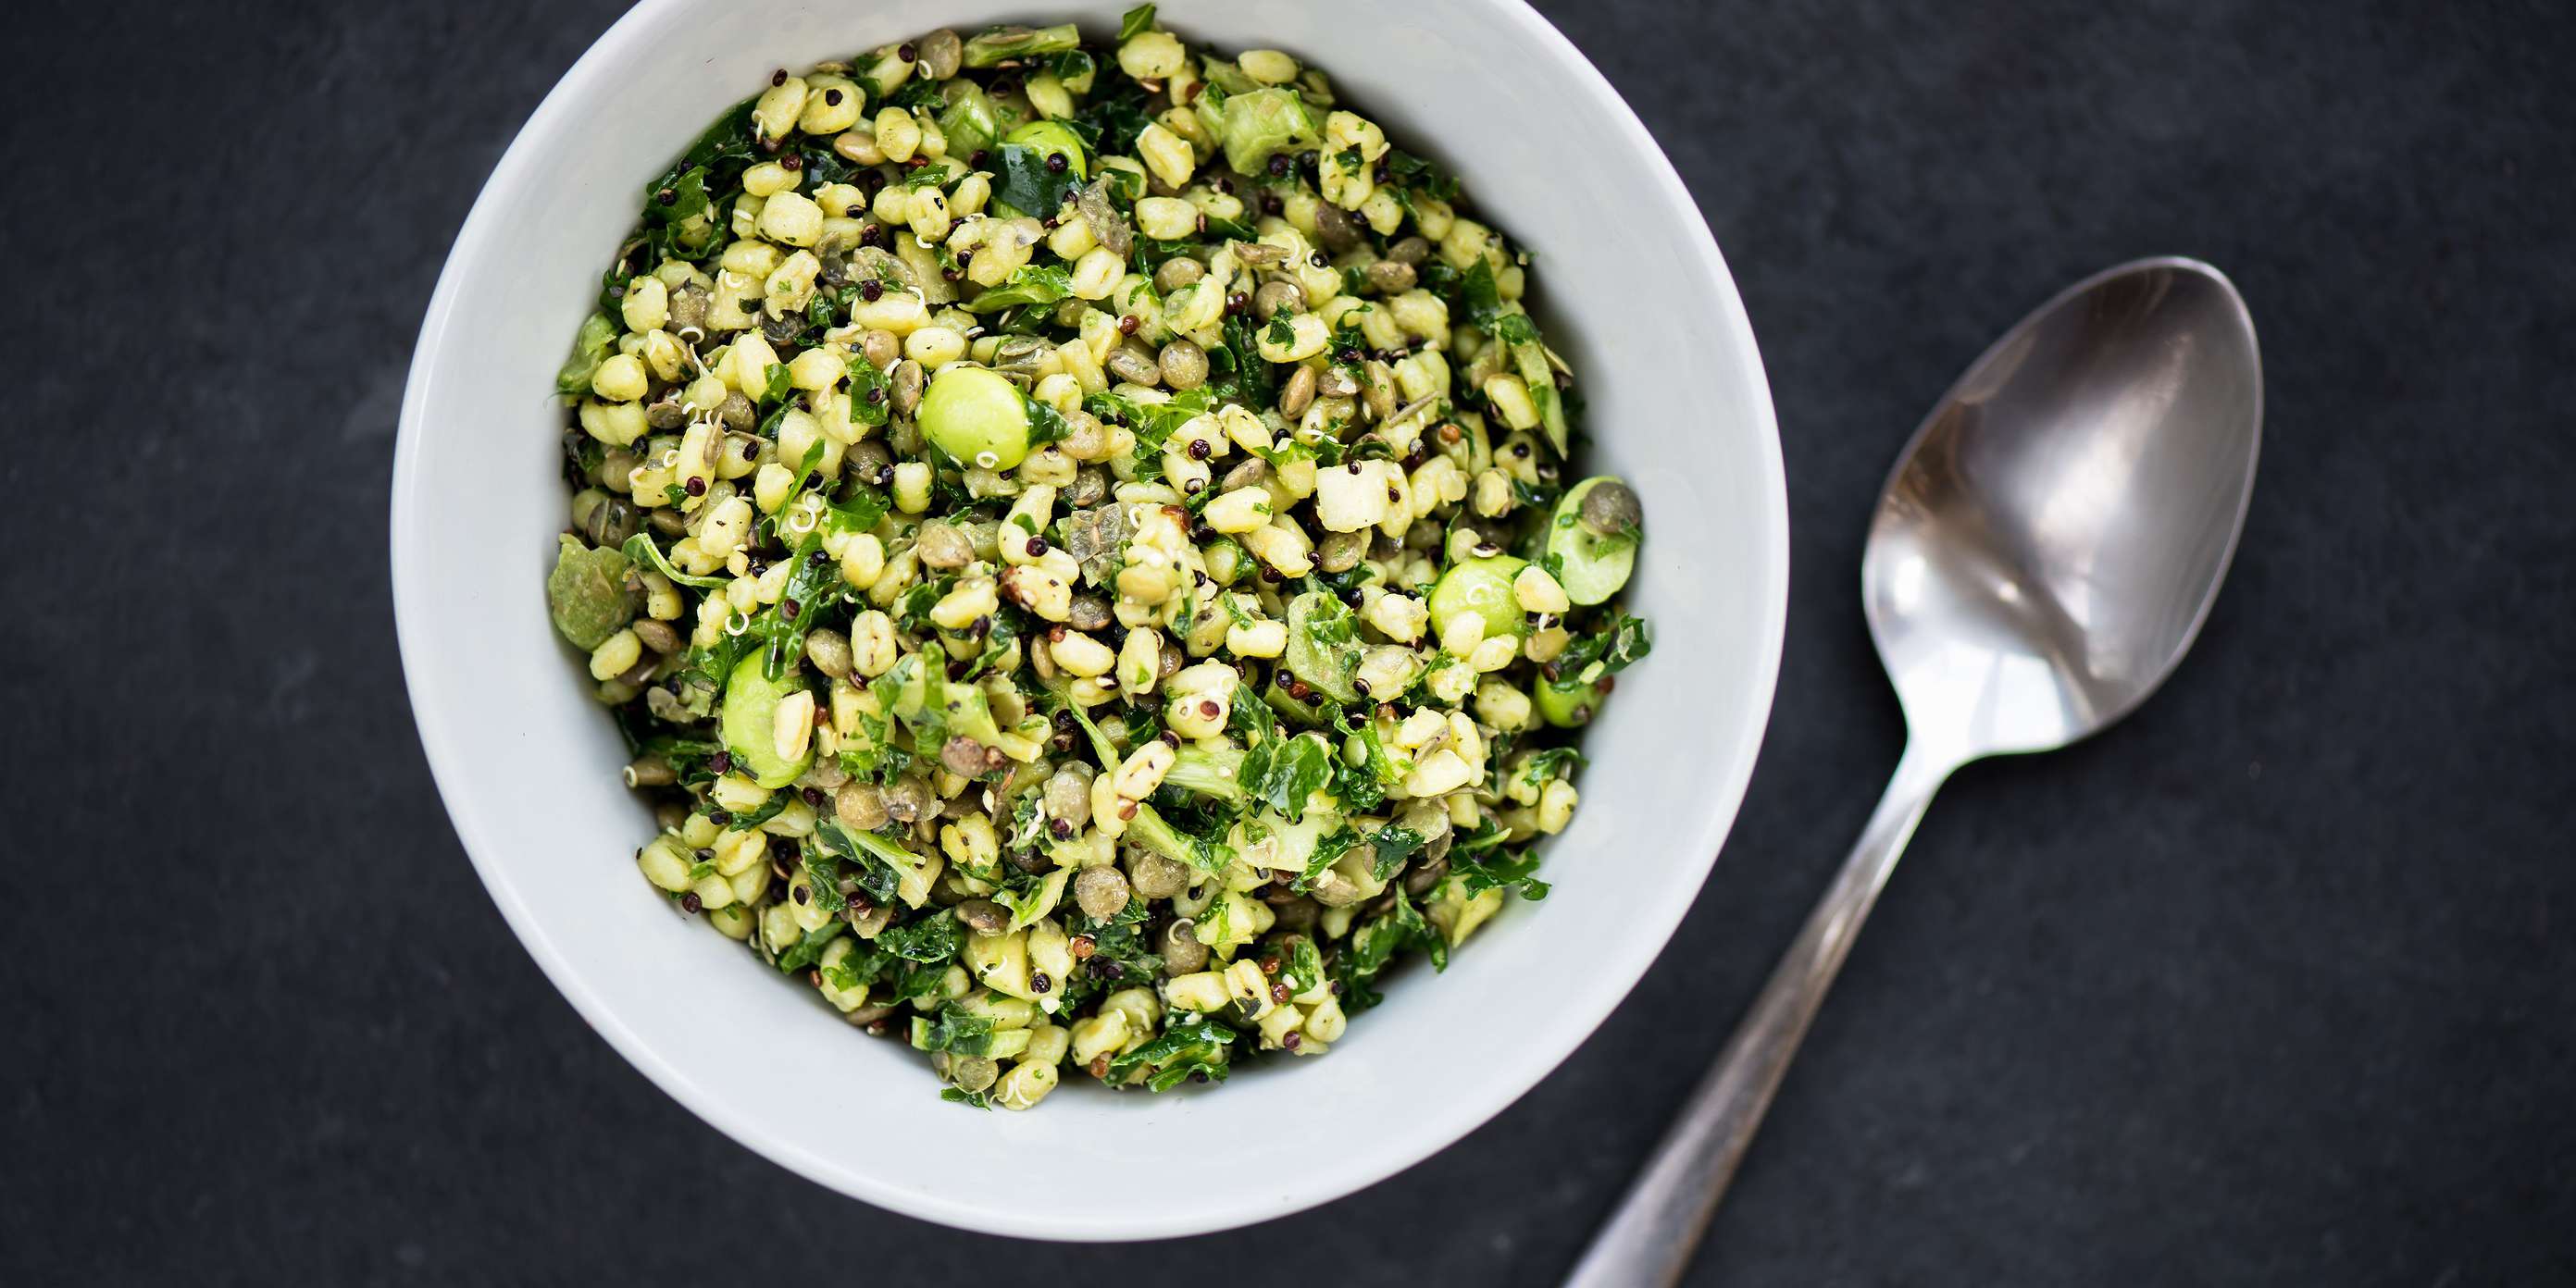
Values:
[(1649, 1240)]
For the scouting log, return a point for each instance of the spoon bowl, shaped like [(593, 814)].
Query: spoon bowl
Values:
[(2052, 538), (2043, 555)]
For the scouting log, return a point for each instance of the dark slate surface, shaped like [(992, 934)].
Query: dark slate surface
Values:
[(2270, 986)]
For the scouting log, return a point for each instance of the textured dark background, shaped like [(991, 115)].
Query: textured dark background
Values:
[(2272, 985)]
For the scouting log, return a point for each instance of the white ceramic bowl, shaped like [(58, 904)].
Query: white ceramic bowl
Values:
[(1638, 300)]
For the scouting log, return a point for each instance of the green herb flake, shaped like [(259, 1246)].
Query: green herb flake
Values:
[(805, 952), (956, 1031), (1029, 284), (1502, 872), (589, 348), (1284, 773), (1024, 183), (1393, 845), (1194, 1047)]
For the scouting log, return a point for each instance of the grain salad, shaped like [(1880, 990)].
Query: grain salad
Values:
[(1083, 545)]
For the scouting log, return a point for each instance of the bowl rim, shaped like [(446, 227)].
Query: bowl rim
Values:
[(1513, 1075)]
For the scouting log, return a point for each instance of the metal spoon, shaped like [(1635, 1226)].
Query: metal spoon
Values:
[(2041, 558)]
